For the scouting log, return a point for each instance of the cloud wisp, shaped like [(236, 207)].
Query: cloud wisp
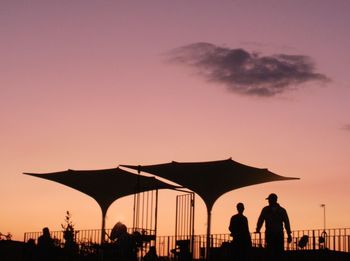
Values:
[(247, 73), (346, 127)]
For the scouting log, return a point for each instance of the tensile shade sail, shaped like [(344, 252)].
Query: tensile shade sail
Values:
[(211, 179), (105, 185)]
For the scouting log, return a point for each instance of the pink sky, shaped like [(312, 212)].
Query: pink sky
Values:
[(87, 85)]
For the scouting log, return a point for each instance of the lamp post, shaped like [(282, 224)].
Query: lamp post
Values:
[(323, 237)]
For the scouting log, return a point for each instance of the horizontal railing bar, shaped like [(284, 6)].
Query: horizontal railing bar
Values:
[(336, 239)]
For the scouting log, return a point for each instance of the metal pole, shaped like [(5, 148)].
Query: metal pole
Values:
[(192, 223), (324, 216), (208, 243), (155, 216), (324, 226)]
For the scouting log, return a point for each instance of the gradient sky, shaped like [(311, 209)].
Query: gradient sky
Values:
[(94, 84)]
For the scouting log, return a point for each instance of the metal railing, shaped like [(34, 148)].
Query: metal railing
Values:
[(92, 236), (337, 239)]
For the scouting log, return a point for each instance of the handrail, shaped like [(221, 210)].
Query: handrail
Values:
[(336, 239)]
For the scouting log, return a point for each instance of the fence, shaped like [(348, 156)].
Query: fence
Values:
[(337, 239)]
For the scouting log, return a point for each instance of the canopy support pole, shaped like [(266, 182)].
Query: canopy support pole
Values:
[(208, 243), (156, 218), (103, 230)]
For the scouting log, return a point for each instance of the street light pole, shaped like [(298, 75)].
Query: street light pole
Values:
[(323, 237)]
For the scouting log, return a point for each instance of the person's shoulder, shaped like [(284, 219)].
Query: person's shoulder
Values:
[(234, 216), (282, 209), (266, 208)]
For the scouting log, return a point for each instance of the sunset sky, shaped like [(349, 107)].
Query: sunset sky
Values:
[(94, 84)]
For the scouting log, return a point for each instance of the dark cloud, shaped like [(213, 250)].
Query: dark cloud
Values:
[(247, 73), (346, 127)]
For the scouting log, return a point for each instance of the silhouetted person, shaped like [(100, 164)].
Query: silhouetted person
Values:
[(124, 242), (303, 241), (182, 251), (30, 250), (240, 233), (274, 217), (46, 246), (151, 255)]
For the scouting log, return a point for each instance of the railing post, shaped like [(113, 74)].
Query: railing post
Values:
[(313, 240), (168, 246)]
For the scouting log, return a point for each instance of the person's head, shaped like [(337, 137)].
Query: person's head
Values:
[(240, 207), (46, 231), (118, 230), (31, 242), (272, 198)]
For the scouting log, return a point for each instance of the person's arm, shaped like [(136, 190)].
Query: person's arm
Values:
[(246, 223), (287, 225), (260, 221), (286, 222), (231, 225)]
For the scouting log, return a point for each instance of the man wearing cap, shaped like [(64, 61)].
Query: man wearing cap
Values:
[(275, 217)]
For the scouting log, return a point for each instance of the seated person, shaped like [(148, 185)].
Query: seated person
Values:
[(124, 242)]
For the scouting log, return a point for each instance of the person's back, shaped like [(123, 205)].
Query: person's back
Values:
[(126, 247), (46, 245), (124, 242), (240, 233), (274, 216), (239, 229)]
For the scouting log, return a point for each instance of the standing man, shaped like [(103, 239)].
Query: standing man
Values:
[(240, 232), (274, 217)]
